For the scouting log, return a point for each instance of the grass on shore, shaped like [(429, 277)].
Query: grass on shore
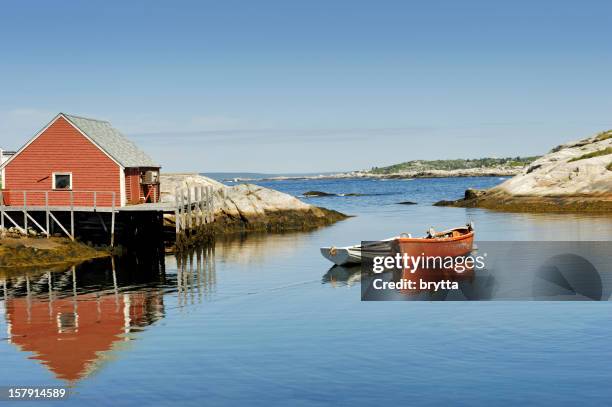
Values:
[(593, 154), (604, 135), (609, 167)]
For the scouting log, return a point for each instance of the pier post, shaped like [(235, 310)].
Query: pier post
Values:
[(177, 220), (212, 204), (2, 231), (207, 204), (182, 209), (196, 201), (72, 215), (201, 205), (190, 221), (47, 214), (112, 239), (200, 209), (25, 213)]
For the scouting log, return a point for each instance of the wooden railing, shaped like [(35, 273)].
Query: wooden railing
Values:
[(194, 209), (63, 198), (49, 201)]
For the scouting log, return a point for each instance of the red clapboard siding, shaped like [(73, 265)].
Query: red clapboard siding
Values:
[(132, 185), (62, 148)]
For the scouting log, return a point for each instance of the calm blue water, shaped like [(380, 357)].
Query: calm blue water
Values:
[(257, 321)]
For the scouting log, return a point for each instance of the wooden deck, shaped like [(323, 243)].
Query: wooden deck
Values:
[(193, 208), (145, 207)]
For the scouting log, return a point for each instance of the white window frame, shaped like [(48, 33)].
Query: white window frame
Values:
[(61, 189)]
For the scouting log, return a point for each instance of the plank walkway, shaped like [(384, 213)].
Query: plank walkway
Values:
[(193, 208)]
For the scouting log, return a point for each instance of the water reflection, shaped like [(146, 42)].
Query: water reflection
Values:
[(338, 276), (73, 321), (196, 275), (259, 248)]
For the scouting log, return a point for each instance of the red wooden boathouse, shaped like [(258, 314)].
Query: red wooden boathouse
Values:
[(81, 162)]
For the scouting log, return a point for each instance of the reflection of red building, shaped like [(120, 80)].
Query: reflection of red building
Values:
[(71, 335)]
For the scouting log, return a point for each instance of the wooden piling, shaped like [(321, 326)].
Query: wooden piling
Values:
[(25, 212), (182, 206), (202, 206), (112, 239), (72, 215), (177, 220), (198, 197), (47, 214), (2, 230), (190, 221)]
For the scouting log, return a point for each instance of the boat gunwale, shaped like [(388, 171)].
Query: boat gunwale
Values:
[(464, 236)]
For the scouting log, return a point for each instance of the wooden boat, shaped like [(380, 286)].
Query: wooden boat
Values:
[(347, 255), (453, 242)]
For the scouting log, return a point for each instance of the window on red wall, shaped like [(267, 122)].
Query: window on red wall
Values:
[(62, 180)]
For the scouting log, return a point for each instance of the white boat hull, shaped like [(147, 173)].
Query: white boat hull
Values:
[(348, 255), (342, 255)]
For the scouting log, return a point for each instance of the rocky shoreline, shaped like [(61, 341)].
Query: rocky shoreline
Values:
[(250, 208), (500, 201), (572, 177), (41, 252)]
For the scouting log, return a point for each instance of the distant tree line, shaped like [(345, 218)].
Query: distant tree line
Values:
[(458, 164)]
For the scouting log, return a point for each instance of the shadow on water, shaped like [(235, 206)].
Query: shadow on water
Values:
[(73, 321)]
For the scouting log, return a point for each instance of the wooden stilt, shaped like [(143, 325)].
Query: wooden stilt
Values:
[(190, 219), (182, 209), (203, 204), (212, 204), (177, 219), (25, 212), (47, 214), (207, 203), (196, 208), (112, 237), (2, 230), (72, 215)]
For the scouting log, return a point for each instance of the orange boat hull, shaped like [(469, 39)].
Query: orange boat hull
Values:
[(453, 246)]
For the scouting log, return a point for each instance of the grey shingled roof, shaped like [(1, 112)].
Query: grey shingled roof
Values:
[(115, 144)]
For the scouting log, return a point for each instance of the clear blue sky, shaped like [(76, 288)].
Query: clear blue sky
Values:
[(309, 86)]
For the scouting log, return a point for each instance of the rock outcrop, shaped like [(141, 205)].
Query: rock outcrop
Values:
[(573, 177), (32, 253), (249, 207)]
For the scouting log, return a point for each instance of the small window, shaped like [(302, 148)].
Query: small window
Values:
[(62, 180)]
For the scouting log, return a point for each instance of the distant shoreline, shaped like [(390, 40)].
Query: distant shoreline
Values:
[(476, 172), (449, 168)]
